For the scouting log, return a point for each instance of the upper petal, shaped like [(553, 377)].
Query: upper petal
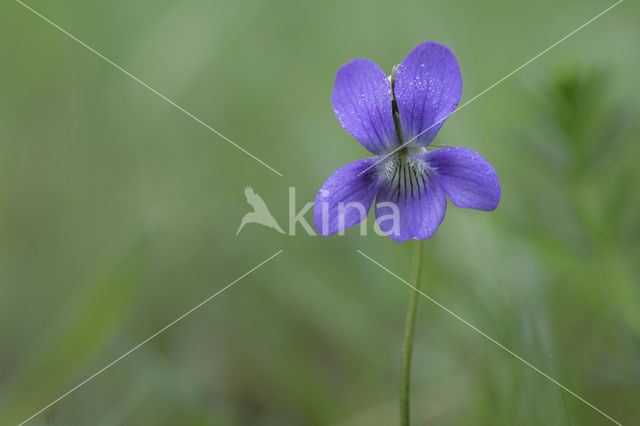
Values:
[(467, 178), (361, 100), (419, 199), (346, 197), (427, 88)]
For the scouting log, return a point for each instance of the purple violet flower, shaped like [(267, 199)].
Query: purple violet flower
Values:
[(409, 184)]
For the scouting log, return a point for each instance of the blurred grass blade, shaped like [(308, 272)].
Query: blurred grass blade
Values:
[(75, 342)]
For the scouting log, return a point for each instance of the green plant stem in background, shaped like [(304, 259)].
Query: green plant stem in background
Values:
[(565, 403), (407, 344)]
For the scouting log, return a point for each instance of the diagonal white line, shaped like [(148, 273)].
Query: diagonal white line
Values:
[(163, 329), (127, 73), (491, 339), (493, 85)]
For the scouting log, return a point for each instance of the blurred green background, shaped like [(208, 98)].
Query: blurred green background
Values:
[(118, 213)]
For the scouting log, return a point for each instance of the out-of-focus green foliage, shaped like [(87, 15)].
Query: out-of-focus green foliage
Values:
[(118, 213)]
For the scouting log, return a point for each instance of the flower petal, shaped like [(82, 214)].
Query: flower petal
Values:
[(345, 194), (361, 100), (467, 178), (420, 200), (428, 87)]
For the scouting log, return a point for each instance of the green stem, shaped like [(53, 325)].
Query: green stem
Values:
[(407, 344)]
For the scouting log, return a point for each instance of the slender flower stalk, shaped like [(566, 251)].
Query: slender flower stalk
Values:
[(409, 331)]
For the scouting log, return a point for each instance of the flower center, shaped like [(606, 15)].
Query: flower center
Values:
[(402, 161)]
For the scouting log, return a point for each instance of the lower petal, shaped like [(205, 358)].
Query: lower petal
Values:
[(345, 198), (467, 178), (411, 204)]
